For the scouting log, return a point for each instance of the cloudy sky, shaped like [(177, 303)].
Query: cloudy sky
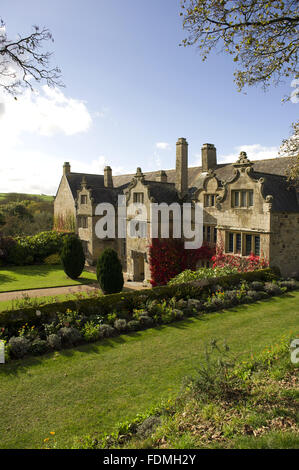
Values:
[(130, 92)]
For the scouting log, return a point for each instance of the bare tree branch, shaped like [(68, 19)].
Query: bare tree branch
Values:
[(22, 61)]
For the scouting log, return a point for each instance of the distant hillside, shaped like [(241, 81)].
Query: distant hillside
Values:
[(18, 197), (25, 214)]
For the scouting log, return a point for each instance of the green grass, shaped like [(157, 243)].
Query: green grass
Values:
[(39, 276), (90, 388)]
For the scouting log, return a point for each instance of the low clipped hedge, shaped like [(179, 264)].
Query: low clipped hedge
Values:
[(104, 305)]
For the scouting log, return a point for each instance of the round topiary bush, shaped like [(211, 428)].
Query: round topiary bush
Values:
[(109, 272), (72, 256)]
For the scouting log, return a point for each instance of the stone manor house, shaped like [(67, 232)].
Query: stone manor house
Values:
[(249, 206)]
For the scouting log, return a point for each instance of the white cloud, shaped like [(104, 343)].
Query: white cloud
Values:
[(254, 152), (46, 113), (163, 146)]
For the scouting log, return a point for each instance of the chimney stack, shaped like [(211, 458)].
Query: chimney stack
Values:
[(208, 157), (161, 176), (108, 181), (181, 178), (66, 168)]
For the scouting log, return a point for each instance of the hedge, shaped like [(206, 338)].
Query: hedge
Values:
[(126, 300)]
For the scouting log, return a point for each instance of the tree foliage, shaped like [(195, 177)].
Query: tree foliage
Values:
[(260, 35), (109, 272), (290, 148), (22, 61), (72, 256)]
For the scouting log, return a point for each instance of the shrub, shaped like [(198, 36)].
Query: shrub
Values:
[(290, 284), (70, 335), (215, 377), (148, 426), (53, 259), (54, 341), (19, 346), (145, 321), (272, 289), (39, 346), (109, 272), (106, 330), (91, 331), (72, 256), (178, 314), (257, 285), (120, 324), (134, 325), (41, 245)]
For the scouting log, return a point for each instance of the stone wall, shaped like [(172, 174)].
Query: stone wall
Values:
[(284, 244)]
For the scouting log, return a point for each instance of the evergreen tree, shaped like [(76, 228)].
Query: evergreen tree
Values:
[(72, 256), (109, 272)]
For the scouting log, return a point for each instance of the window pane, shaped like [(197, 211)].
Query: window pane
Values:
[(215, 235), (257, 245), (212, 200), (237, 198), (231, 242), (208, 233), (243, 199), (238, 243), (250, 198), (248, 244)]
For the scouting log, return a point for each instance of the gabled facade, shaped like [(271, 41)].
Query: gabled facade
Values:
[(249, 207)]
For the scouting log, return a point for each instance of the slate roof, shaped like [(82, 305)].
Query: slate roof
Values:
[(272, 170)]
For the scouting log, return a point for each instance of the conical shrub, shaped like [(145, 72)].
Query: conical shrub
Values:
[(72, 256), (109, 272)]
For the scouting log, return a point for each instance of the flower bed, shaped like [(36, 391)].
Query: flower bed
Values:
[(120, 313)]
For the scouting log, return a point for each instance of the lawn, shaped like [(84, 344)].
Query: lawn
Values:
[(39, 276), (90, 388)]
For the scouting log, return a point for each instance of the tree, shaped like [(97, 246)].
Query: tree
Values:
[(290, 148), (260, 35), (109, 272), (72, 256), (21, 61)]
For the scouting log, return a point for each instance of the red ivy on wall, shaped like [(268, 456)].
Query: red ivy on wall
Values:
[(168, 257)]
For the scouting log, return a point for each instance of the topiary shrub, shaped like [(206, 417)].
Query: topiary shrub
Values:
[(54, 341), (39, 346), (134, 325), (109, 272), (72, 256), (120, 324), (70, 335), (19, 346), (106, 330)]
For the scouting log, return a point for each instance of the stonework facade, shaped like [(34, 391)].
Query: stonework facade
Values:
[(249, 207)]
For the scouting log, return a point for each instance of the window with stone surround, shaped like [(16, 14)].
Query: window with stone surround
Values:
[(83, 199), (138, 197), (210, 200), (83, 222), (209, 233), (242, 198), (243, 243)]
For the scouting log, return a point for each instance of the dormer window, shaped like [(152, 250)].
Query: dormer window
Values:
[(242, 198), (83, 199), (210, 200)]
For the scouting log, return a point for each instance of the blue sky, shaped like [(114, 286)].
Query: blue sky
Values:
[(130, 92)]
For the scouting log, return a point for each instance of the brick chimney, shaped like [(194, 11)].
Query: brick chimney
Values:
[(181, 178), (208, 157), (161, 176), (108, 181), (66, 168)]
